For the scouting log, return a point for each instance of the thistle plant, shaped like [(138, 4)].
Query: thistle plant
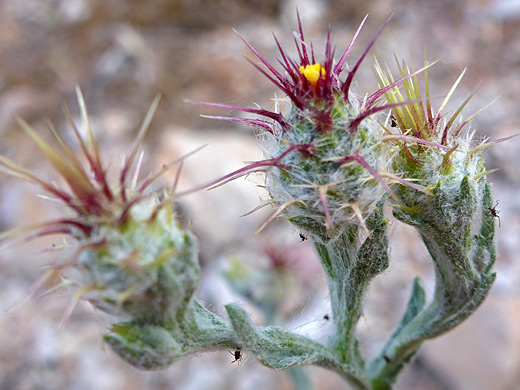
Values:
[(126, 253), (332, 167)]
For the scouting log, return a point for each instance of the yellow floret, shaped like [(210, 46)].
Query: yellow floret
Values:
[(313, 72)]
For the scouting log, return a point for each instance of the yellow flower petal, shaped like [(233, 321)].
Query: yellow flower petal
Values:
[(312, 73)]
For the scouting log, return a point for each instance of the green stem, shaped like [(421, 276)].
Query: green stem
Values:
[(463, 253), (350, 264), (338, 259)]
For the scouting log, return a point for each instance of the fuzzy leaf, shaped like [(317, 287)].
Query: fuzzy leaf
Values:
[(275, 347), (373, 254), (415, 303), (144, 346)]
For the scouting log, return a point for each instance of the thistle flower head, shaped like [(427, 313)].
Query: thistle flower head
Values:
[(127, 254), (454, 217), (431, 147), (314, 86), (326, 161)]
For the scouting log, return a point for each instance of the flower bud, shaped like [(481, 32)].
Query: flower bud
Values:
[(142, 268), (127, 253)]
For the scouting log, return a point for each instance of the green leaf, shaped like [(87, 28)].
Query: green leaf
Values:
[(275, 347), (373, 254), (415, 303), (143, 346)]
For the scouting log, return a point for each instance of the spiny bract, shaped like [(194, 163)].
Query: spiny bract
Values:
[(127, 253)]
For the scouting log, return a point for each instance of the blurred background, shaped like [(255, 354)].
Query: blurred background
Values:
[(122, 53)]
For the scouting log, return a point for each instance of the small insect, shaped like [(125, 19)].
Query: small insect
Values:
[(303, 237), (237, 354), (393, 121), (326, 317), (387, 359), (494, 212)]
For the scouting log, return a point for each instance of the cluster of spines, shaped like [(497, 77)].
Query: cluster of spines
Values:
[(97, 205), (430, 145)]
